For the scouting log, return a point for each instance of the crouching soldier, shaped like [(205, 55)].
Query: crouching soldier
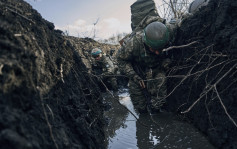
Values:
[(103, 68)]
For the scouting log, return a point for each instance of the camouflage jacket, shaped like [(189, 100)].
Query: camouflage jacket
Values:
[(104, 66), (133, 51)]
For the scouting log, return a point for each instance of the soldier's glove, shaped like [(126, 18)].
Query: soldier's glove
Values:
[(142, 84), (139, 81), (136, 78)]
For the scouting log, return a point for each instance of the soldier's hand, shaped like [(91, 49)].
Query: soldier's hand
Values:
[(136, 78), (139, 81), (142, 84)]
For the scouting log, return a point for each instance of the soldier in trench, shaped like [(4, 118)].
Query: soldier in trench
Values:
[(142, 60), (141, 57), (103, 68)]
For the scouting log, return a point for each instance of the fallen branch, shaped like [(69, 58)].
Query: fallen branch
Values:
[(120, 103), (20, 15), (92, 122), (209, 87), (222, 104), (47, 120), (176, 47), (1, 66)]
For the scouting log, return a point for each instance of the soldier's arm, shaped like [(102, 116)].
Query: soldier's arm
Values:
[(109, 67), (124, 58)]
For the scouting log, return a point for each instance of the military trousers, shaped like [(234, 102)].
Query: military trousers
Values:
[(156, 85)]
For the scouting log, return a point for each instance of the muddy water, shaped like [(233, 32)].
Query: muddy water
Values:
[(163, 131)]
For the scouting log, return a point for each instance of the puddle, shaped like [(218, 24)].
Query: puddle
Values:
[(124, 131)]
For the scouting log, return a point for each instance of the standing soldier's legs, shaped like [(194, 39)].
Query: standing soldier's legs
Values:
[(157, 87), (137, 97)]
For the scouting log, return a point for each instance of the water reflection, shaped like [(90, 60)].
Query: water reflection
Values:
[(120, 120), (124, 131)]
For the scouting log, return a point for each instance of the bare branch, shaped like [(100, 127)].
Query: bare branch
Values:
[(47, 120), (226, 112), (173, 9), (20, 15), (176, 47), (209, 88)]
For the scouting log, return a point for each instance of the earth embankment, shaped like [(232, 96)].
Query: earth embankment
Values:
[(203, 84), (47, 97)]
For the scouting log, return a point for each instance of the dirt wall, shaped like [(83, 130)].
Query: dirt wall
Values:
[(47, 98), (202, 82)]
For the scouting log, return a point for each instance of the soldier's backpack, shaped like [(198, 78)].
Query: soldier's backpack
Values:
[(143, 13), (141, 9)]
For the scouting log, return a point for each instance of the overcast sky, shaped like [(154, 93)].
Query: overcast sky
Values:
[(78, 16)]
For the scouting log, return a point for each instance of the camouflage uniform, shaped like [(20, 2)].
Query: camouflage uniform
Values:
[(105, 69), (138, 62)]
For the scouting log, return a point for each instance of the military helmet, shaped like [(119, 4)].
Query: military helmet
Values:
[(196, 5), (156, 35), (96, 52)]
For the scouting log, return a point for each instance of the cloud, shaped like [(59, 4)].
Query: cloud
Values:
[(80, 22), (112, 26), (79, 28), (112, 23), (102, 30)]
